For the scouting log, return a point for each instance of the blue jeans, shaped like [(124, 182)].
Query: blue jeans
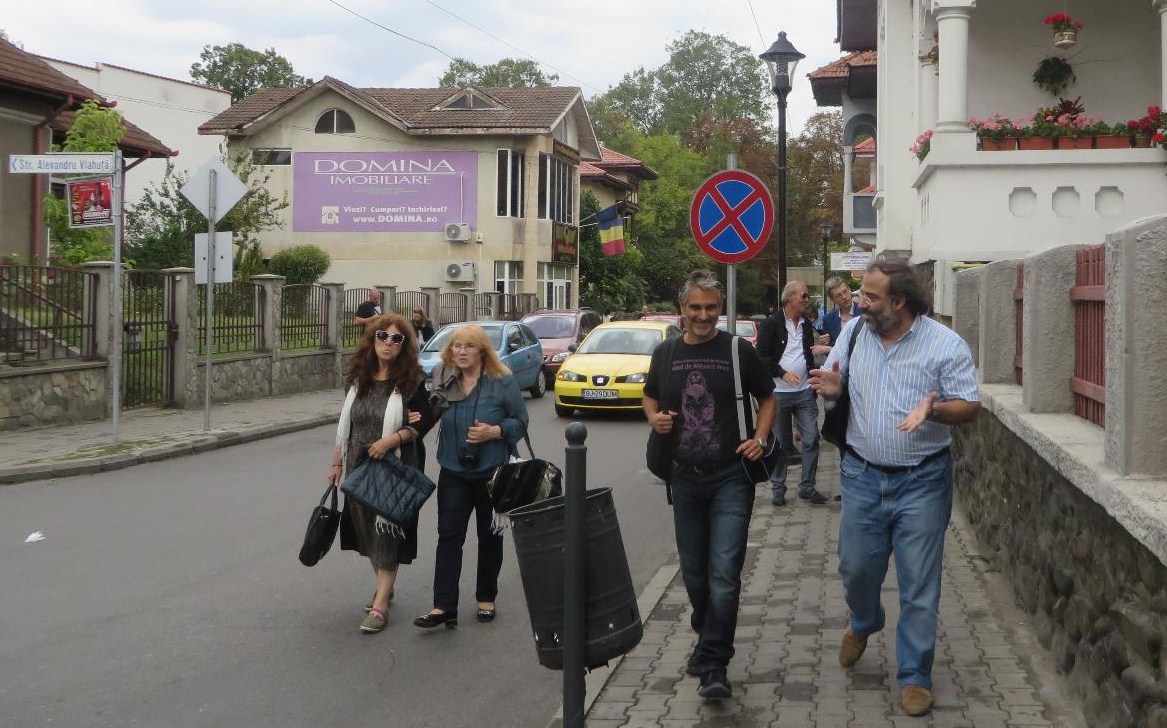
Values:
[(905, 514), (711, 516), (458, 497), (804, 406)]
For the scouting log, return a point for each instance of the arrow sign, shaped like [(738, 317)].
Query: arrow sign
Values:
[(732, 216)]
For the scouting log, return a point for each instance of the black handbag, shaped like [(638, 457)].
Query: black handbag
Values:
[(758, 471), (523, 482), (837, 417), (321, 529), (394, 490), (658, 454)]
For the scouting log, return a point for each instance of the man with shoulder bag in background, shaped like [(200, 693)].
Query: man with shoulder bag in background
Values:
[(690, 395), (909, 380)]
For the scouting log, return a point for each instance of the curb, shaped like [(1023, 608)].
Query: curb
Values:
[(200, 442)]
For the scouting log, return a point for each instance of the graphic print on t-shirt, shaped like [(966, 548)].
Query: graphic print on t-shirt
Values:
[(699, 439)]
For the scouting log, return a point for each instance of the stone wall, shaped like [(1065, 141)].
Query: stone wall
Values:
[(53, 394), (1098, 596), (260, 375), (311, 372)]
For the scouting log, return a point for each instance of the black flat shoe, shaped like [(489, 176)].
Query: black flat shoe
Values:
[(434, 619), (486, 615)]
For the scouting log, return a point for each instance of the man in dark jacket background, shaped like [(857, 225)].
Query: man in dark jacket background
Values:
[(786, 341)]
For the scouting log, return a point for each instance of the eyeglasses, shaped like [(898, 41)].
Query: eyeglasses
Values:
[(391, 338), (865, 296), (804, 295), (462, 347)]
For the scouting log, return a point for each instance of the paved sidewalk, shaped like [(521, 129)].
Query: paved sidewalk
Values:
[(154, 434), (786, 671)]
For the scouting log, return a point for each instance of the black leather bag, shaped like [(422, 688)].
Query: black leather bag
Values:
[(838, 416), (523, 482), (321, 529), (759, 470), (659, 455), (394, 490)]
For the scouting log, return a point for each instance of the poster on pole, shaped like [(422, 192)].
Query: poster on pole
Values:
[(90, 202)]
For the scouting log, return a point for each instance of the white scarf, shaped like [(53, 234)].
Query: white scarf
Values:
[(394, 419)]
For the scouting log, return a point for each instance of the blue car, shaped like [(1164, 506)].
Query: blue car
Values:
[(515, 343)]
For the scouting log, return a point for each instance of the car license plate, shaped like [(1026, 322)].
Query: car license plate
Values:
[(600, 394)]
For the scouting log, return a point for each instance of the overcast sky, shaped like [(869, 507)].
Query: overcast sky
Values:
[(589, 44)]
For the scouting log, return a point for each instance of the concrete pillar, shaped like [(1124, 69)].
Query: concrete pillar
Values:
[(273, 289), (102, 315), (952, 20), (532, 225), (1136, 390), (431, 301), (336, 318), (998, 322), (1049, 317), (186, 349), (848, 164), (388, 298), (966, 308)]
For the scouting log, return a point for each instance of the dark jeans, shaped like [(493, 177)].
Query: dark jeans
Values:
[(457, 497), (711, 516), (804, 406)]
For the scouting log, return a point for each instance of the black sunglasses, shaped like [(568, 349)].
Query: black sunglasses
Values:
[(386, 336)]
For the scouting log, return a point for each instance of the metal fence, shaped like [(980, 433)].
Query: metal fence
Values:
[(350, 333), (47, 313), (405, 301), (238, 315), (304, 317), (149, 331), (452, 307), (1019, 314), (1089, 297)]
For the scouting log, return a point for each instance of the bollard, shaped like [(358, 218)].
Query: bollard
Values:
[(574, 576)]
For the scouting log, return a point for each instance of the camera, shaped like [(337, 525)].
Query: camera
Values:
[(468, 456)]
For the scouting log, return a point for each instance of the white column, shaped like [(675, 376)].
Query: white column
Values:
[(952, 22), (1161, 6), (848, 167)]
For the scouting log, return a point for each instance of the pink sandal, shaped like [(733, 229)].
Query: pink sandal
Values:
[(374, 621)]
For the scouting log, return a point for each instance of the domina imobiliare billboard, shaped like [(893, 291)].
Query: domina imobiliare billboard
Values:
[(396, 192)]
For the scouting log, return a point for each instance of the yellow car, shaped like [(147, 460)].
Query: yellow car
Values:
[(608, 369)]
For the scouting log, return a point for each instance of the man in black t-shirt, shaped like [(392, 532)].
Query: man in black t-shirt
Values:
[(369, 309), (690, 393)]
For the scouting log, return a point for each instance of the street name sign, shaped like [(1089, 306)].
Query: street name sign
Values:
[(851, 261), (61, 163), (732, 216)]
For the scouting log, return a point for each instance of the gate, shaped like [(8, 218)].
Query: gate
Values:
[(405, 301), (452, 308), (148, 336)]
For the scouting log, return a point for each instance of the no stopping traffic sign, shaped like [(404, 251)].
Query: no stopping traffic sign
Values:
[(732, 216)]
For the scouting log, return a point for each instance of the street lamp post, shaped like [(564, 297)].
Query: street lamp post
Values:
[(825, 230), (781, 59)]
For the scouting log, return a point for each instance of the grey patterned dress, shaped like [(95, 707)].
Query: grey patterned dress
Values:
[(367, 421)]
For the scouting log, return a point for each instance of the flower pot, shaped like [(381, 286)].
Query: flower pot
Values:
[(1112, 141), (1080, 142), (1066, 38), (1004, 144), (1141, 141), (1035, 143)]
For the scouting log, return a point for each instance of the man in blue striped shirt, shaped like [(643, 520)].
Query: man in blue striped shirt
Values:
[(909, 380)]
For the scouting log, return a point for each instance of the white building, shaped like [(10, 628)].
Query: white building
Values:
[(171, 109), (962, 203)]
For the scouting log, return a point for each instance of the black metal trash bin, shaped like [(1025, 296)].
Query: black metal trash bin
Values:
[(613, 621)]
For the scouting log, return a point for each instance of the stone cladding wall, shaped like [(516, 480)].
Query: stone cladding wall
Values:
[(1098, 597), (53, 394)]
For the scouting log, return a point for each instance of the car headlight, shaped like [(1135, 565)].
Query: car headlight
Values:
[(571, 376), (637, 378), (560, 357)]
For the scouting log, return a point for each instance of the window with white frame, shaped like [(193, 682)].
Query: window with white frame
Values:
[(509, 193), (554, 285), (508, 276), (557, 189)]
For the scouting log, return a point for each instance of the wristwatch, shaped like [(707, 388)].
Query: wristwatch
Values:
[(761, 442)]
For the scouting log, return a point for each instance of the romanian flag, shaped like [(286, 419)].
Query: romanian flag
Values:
[(611, 227)]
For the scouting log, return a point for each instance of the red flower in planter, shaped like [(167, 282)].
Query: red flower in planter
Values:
[(1062, 22)]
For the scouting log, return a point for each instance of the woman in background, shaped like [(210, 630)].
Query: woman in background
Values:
[(425, 330)]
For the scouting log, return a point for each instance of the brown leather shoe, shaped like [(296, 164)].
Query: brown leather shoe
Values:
[(852, 648), (916, 700)]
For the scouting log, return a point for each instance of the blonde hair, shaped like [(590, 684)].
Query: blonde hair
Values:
[(474, 334)]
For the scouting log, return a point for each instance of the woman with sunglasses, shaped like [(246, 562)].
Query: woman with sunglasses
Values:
[(386, 413), (483, 417)]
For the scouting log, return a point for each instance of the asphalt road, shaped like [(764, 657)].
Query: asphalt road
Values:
[(169, 594)]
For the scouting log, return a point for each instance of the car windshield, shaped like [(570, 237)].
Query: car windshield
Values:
[(442, 338), (552, 327), (620, 341), (744, 328)]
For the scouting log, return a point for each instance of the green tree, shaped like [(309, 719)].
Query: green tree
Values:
[(243, 71), (607, 283), (814, 185), (95, 129), (300, 264), (513, 72), (160, 228)]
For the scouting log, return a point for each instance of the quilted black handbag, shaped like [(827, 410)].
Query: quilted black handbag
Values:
[(838, 416), (524, 482), (321, 529), (392, 489)]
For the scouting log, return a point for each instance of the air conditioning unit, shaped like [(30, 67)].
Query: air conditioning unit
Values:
[(458, 232), (460, 270)]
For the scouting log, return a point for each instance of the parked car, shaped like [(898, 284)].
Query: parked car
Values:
[(746, 328), (671, 318), (515, 343), (608, 370), (559, 331)]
